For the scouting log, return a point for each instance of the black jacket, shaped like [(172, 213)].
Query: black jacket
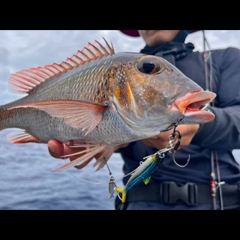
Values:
[(222, 134)]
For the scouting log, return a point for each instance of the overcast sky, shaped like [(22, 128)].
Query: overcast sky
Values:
[(26, 49)]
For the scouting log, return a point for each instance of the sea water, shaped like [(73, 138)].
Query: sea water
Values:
[(28, 183)]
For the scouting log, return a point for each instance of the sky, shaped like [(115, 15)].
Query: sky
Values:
[(24, 49)]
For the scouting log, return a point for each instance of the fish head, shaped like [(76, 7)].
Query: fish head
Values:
[(151, 94)]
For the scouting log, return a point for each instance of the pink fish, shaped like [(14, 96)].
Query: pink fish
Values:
[(101, 99)]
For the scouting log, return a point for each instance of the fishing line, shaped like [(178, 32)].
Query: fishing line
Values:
[(126, 175), (205, 57), (84, 180)]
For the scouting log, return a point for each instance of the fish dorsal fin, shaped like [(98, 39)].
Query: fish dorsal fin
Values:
[(25, 80)]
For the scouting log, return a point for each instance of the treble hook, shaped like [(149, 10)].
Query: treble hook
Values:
[(111, 183), (176, 147)]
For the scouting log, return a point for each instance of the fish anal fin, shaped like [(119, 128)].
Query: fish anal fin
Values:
[(103, 157), (22, 137), (25, 80), (146, 180), (84, 156), (76, 114)]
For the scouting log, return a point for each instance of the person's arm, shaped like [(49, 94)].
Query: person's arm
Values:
[(224, 131)]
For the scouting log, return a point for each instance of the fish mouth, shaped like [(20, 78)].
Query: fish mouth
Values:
[(192, 106)]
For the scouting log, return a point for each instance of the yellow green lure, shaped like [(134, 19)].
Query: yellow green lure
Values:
[(142, 173)]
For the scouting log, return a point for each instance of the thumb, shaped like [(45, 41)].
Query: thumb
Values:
[(57, 149)]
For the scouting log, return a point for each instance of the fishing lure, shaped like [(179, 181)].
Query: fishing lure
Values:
[(144, 171)]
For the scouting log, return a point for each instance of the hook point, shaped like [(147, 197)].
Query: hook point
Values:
[(182, 166)]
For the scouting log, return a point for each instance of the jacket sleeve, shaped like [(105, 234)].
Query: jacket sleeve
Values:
[(224, 131)]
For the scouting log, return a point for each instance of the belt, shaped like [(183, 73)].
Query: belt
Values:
[(189, 193)]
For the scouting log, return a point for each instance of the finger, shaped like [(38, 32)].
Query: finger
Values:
[(56, 149), (72, 150), (120, 146), (76, 150)]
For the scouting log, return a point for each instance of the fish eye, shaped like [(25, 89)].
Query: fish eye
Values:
[(149, 65)]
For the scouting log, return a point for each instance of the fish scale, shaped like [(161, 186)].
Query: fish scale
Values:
[(101, 99)]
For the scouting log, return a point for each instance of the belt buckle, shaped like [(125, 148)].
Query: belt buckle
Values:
[(171, 193)]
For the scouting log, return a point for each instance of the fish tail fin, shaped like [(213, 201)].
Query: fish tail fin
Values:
[(123, 192)]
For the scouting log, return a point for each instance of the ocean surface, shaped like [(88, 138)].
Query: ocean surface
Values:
[(27, 183)]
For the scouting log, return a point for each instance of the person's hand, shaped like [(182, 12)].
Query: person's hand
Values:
[(160, 141), (59, 150)]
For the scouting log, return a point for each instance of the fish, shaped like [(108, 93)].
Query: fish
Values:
[(141, 174), (101, 99)]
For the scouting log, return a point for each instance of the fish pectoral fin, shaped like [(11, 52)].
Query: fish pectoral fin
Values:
[(86, 154), (22, 137), (146, 180), (76, 114)]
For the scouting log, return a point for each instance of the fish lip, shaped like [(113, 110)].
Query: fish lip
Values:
[(194, 101)]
